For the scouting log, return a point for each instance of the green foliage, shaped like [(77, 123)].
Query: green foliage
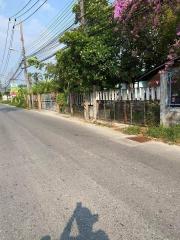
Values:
[(105, 52), (6, 101), (61, 99), (144, 45), (170, 134), (20, 99), (91, 54), (34, 62), (132, 130), (45, 87), (152, 114)]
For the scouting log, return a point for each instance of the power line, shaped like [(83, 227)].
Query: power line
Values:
[(54, 39), (47, 38), (28, 9), (21, 9), (5, 47), (14, 74), (59, 19), (32, 13), (9, 51), (49, 44)]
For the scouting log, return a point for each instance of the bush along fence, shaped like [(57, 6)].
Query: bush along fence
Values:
[(128, 105)]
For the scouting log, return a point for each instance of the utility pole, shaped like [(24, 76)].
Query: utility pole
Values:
[(82, 9), (25, 67)]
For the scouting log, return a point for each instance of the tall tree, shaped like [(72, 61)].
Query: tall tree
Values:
[(90, 56), (148, 30)]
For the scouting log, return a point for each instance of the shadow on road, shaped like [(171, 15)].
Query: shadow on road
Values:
[(9, 109), (84, 220)]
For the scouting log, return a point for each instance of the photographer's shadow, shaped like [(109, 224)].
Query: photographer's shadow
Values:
[(85, 220)]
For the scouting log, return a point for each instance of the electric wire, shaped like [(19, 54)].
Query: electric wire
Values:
[(55, 38), (9, 51), (53, 54), (24, 20), (59, 19), (51, 35), (5, 46), (21, 9), (28, 9)]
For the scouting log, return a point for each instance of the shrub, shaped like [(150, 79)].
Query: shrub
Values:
[(61, 99), (132, 130)]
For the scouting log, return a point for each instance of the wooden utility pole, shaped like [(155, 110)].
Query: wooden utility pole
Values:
[(82, 15), (25, 67)]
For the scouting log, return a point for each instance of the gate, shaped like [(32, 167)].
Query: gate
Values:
[(48, 102)]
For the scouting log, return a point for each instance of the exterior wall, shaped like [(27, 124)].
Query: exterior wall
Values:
[(168, 115), (173, 116)]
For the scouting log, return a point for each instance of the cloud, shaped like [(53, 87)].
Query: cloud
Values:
[(32, 30), (48, 7), (2, 4)]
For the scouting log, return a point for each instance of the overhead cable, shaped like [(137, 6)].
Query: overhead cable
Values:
[(5, 47), (27, 10), (21, 9), (32, 13)]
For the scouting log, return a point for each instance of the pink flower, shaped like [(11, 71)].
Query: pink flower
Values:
[(120, 6)]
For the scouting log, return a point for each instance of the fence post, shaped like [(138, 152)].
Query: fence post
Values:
[(95, 104), (164, 98), (125, 112), (86, 108), (39, 102), (71, 103), (29, 101), (32, 97), (144, 110), (131, 111)]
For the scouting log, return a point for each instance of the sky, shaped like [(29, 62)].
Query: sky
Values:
[(32, 27)]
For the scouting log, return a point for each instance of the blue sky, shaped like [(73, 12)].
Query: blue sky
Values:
[(35, 24), (32, 28)]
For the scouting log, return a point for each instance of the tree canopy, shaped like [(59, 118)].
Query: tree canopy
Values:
[(115, 44), (91, 56)]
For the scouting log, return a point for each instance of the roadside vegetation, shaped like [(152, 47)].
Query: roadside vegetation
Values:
[(167, 134), (116, 44)]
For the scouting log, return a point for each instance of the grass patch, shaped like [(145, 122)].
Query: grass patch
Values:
[(132, 130), (166, 134), (169, 134)]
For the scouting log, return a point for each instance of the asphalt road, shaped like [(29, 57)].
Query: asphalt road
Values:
[(66, 180)]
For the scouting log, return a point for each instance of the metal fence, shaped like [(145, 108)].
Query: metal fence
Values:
[(48, 102), (132, 106), (130, 112)]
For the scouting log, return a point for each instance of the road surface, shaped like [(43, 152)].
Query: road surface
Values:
[(67, 180)]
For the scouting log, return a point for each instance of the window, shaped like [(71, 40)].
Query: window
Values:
[(174, 88)]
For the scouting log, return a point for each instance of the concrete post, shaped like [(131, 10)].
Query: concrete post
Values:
[(86, 108), (164, 98), (95, 104), (71, 104), (39, 102)]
